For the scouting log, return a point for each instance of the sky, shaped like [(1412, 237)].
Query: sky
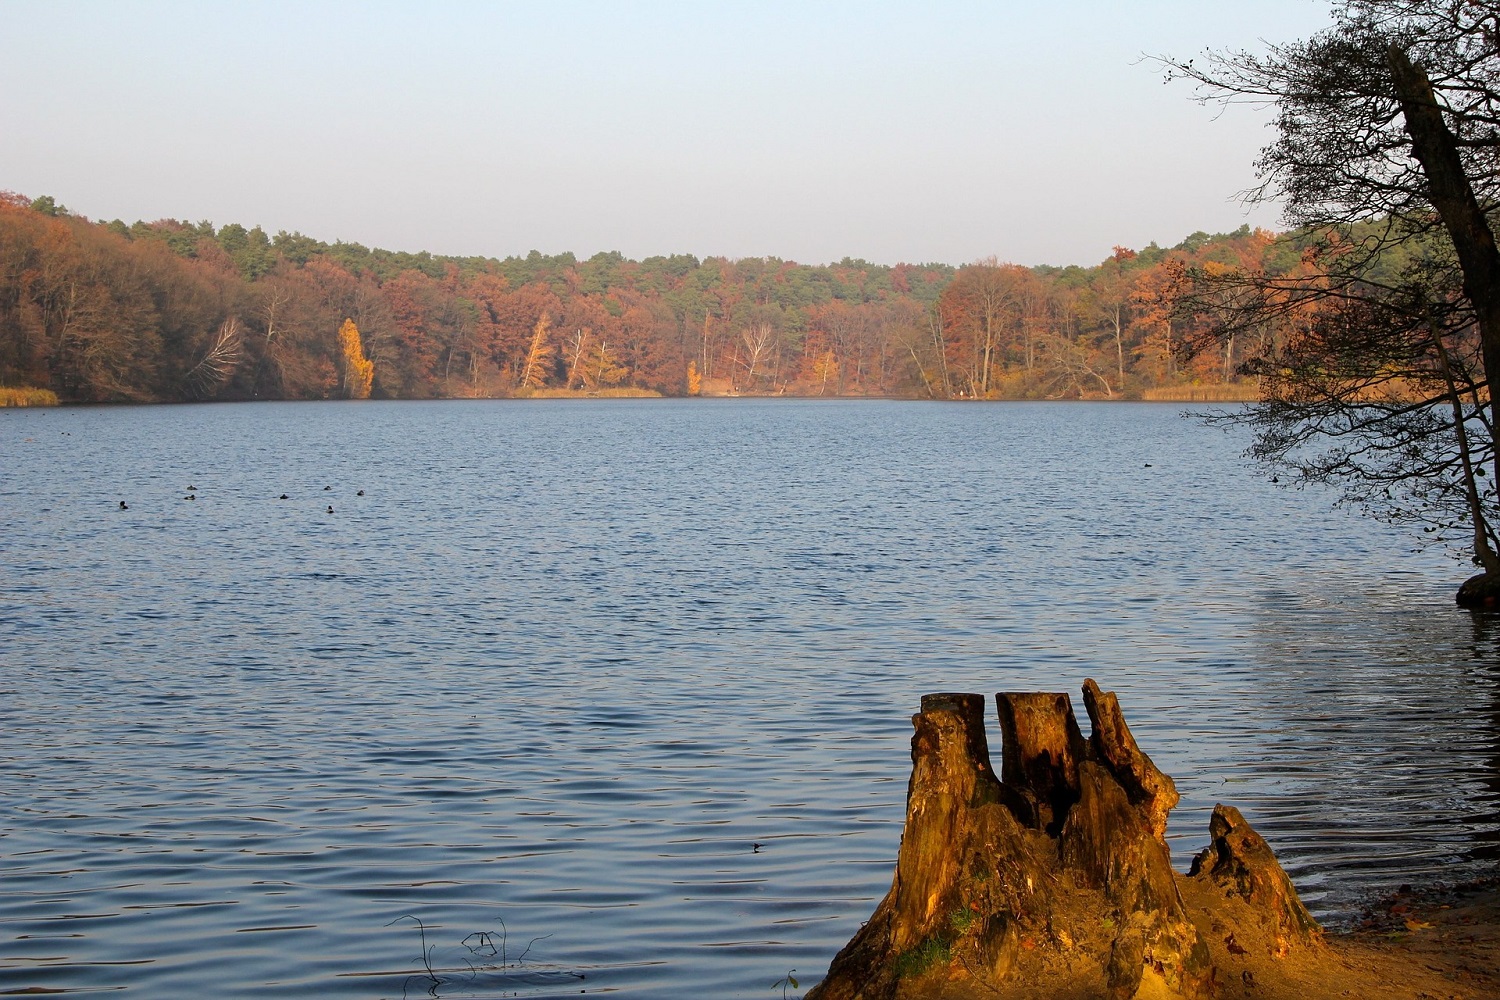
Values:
[(812, 131)]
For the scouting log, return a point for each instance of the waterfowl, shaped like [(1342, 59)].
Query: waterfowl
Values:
[(360, 493), (122, 505), (330, 510), (327, 488), (283, 497)]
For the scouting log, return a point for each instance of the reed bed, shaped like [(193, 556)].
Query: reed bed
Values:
[(26, 396), (617, 392), (1242, 392)]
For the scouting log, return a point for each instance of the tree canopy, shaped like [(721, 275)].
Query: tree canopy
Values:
[(1377, 348)]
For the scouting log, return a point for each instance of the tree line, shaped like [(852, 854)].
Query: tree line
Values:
[(176, 311)]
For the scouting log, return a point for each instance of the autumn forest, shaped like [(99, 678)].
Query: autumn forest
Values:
[(175, 311)]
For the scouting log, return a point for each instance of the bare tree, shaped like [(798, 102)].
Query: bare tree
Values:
[(759, 343), (1389, 139), (218, 363)]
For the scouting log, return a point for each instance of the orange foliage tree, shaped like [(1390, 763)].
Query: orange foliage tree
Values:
[(359, 371)]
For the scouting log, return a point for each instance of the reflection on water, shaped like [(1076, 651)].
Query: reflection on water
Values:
[(1368, 765), (633, 679)]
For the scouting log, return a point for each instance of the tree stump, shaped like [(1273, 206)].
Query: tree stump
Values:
[(1039, 757), (1057, 870), (1240, 862)]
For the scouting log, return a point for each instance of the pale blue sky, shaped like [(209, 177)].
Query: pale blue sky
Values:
[(810, 131)]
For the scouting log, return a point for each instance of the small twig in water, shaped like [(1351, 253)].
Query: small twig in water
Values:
[(432, 977), (528, 947), (484, 944)]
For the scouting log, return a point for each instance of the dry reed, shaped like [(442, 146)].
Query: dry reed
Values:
[(26, 396), (617, 392), (1240, 392)]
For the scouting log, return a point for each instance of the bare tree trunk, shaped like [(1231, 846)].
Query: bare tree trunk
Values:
[(708, 366), (577, 357), (271, 347), (1482, 550), (1436, 149), (984, 374), (940, 342), (1119, 346), (1452, 194), (921, 370)]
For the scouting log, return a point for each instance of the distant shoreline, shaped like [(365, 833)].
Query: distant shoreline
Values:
[(556, 395)]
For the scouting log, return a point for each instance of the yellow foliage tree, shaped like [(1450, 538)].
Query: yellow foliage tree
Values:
[(359, 371), (695, 380), (600, 369), (535, 375), (824, 368)]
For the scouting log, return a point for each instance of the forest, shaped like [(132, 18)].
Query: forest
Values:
[(175, 311)]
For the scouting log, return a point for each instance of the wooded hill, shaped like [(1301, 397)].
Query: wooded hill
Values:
[(168, 310)]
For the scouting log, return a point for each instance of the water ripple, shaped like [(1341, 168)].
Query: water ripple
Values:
[(634, 681)]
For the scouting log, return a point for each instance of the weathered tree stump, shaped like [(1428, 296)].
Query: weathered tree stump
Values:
[(1240, 862), (1039, 757), (1056, 871)]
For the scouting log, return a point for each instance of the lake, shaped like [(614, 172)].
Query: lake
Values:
[(613, 696)]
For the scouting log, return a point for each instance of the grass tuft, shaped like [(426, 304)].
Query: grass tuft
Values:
[(933, 951)]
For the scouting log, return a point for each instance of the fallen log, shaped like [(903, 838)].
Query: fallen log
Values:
[(1054, 877)]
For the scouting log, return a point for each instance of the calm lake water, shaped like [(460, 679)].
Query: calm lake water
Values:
[(563, 665)]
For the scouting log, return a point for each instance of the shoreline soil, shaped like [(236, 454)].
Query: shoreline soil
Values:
[(1045, 874), (1438, 943)]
